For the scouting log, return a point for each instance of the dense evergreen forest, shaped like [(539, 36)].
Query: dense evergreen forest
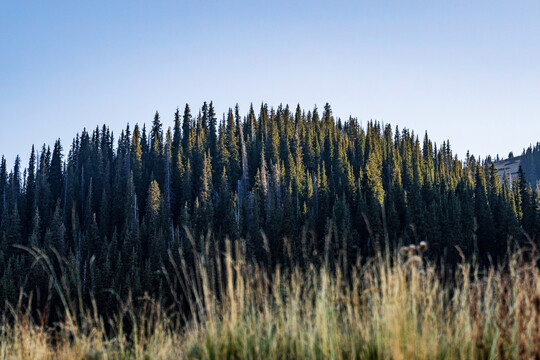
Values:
[(284, 183)]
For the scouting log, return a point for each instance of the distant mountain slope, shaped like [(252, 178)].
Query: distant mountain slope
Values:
[(511, 166), (529, 161)]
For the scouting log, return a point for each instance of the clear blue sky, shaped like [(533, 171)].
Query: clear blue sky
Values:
[(467, 71)]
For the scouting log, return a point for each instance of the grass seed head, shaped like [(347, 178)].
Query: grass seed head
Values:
[(404, 251)]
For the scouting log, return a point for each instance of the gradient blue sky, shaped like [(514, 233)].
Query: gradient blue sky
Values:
[(467, 71)]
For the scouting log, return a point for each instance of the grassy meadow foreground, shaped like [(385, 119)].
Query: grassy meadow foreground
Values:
[(392, 307)]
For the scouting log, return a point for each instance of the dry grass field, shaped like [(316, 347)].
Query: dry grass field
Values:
[(392, 307)]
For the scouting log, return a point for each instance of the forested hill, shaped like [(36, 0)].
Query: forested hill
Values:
[(115, 207)]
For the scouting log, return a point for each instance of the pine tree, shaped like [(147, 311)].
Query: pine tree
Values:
[(156, 150), (55, 173), (177, 168), (155, 240), (483, 213), (232, 144), (212, 131), (3, 186), (526, 202), (373, 178), (223, 160), (30, 191), (58, 230), (206, 209), (187, 141), (137, 162)]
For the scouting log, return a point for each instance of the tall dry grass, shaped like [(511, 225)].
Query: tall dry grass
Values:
[(392, 307)]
